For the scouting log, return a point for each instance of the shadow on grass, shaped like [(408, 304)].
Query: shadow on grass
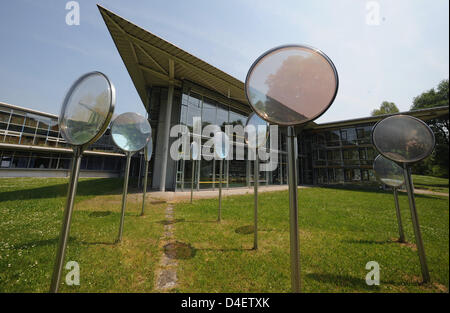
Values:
[(226, 249), (372, 189), (245, 230), (41, 243), (100, 213), (54, 242), (92, 187), (342, 280), (98, 243), (215, 221), (364, 241), (167, 222)]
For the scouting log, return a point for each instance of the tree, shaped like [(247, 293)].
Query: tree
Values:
[(437, 163), (385, 108)]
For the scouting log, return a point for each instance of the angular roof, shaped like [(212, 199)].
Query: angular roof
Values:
[(152, 61)]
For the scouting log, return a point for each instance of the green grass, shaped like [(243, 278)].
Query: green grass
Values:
[(430, 183), (30, 221), (340, 231)]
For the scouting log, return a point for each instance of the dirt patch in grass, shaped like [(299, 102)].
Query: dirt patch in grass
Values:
[(410, 245), (179, 250)]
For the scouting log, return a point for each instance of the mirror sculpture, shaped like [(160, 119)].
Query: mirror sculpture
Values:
[(292, 85), (130, 132), (256, 133), (195, 152), (406, 140), (221, 150), (391, 174), (85, 114), (148, 149)]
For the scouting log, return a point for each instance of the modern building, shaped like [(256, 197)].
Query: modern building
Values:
[(31, 145), (175, 87)]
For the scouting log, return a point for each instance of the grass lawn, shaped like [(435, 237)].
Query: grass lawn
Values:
[(430, 183), (340, 231), (30, 220)]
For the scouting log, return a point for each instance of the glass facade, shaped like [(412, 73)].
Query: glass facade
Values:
[(21, 127), (237, 172), (340, 155)]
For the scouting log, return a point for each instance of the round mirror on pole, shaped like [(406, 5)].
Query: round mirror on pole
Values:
[(195, 152), (391, 174), (406, 139), (130, 132), (85, 115), (292, 85), (256, 133), (221, 150), (148, 150)]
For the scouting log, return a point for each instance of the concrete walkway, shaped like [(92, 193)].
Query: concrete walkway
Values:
[(205, 194)]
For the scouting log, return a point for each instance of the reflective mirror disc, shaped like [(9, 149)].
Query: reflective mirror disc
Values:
[(87, 109), (291, 85), (221, 145), (131, 131), (388, 172), (256, 131), (403, 138), (194, 151), (148, 150)]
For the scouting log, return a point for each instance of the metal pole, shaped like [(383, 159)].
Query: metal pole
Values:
[(255, 191), (399, 217), (293, 212), (64, 235), (124, 195), (192, 179), (220, 190), (140, 170), (415, 222), (145, 186)]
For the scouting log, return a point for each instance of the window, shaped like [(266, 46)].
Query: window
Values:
[(4, 116), (17, 119), (222, 116), (348, 136), (208, 112)]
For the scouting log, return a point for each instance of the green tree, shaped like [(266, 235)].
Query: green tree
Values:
[(437, 163), (385, 108)]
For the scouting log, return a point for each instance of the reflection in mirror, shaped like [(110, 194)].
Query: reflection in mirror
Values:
[(256, 131), (388, 172), (291, 85), (130, 131), (86, 109), (403, 138), (194, 151), (148, 150), (221, 145)]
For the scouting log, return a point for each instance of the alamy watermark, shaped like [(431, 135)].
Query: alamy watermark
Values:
[(372, 13), (73, 16), (373, 277), (180, 148), (73, 276)]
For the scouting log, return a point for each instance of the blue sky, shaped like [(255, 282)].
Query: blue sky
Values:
[(406, 54)]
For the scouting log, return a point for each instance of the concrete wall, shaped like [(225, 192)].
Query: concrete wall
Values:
[(158, 146)]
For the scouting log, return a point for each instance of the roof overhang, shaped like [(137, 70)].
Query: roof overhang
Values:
[(152, 61), (423, 114)]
